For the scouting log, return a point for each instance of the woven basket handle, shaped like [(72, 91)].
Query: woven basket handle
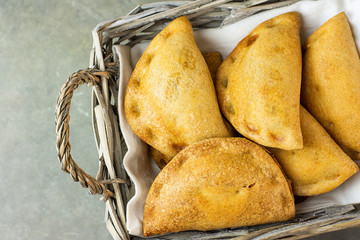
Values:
[(62, 118)]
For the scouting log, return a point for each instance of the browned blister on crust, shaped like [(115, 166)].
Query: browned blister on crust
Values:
[(331, 82), (170, 101), (218, 183), (258, 84), (320, 166)]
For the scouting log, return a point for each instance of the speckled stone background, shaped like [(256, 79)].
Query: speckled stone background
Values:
[(41, 43)]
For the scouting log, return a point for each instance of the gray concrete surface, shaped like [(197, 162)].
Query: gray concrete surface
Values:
[(41, 44)]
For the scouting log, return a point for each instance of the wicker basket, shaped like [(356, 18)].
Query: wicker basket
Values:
[(111, 181)]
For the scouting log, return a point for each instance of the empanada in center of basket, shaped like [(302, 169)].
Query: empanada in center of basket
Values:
[(258, 84), (218, 183), (170, 100)]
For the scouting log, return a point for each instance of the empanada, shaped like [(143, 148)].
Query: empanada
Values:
[(213, 61), (320, 166), (170, 100), (218, 183), (331, 82), (258, 84)]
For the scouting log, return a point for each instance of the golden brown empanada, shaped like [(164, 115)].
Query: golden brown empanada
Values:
[(258, 84), (213, 61), (218, 183), (331, 82), (320, 166), (170, 101)]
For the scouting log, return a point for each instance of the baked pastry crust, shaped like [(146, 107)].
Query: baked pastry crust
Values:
[(258, 84), (218, 183), (213, 61), (170, 101), (331, 82), (320, 166)]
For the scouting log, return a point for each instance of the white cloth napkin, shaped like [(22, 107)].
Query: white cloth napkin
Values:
[(137, 162)]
